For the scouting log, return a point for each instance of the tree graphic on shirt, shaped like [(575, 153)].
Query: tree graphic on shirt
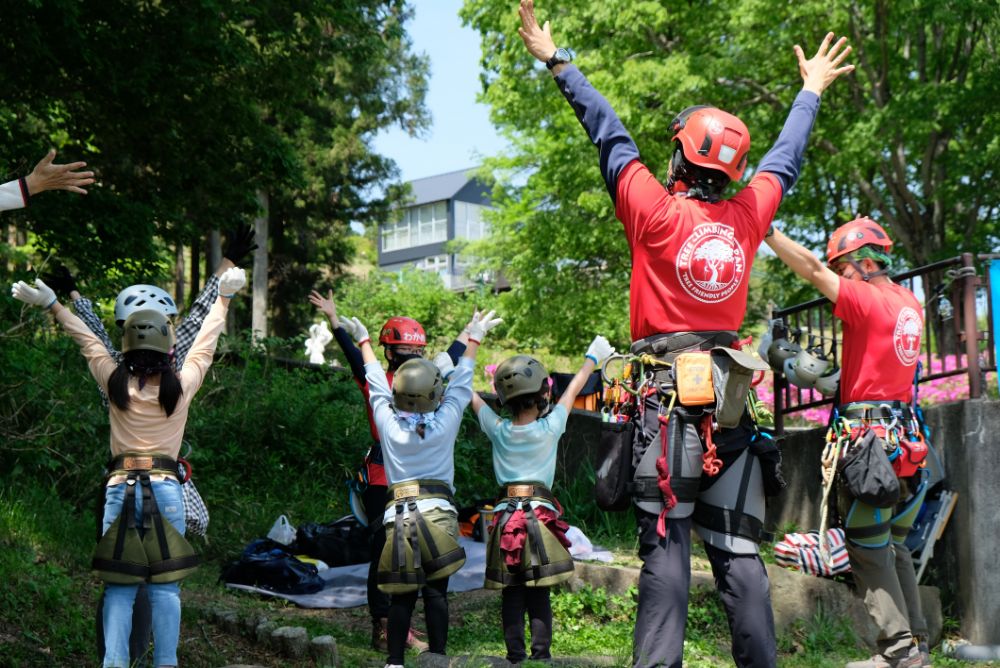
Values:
[(715, 253), (911, 332)]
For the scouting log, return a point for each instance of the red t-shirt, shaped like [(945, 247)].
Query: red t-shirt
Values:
[(882, 329), (376, 472), (691, 259)]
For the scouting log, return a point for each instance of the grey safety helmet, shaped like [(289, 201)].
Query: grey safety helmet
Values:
[(140, 297), (792, 375), (417, 386), (518, 376), (810, 364), (828, 383), (148, 330), (780, 350)]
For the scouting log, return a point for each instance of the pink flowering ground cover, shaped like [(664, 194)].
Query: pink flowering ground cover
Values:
[(938, 391)]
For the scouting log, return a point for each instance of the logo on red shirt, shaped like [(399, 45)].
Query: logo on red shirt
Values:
[(906, 336), (710, 264)]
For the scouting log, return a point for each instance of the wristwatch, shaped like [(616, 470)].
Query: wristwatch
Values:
[(560, 56)]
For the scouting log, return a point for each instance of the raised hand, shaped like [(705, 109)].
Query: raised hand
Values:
[(599, 350), (240, 242), (356, 329), (48, 176), (537, 39), (232, 281), (823, 69), (41, 295), (326, 306), (482, 323)]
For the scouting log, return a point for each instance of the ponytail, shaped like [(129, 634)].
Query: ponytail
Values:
[(145, 363)]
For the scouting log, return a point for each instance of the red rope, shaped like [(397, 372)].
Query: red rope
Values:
[(663, 480), (710, 463)]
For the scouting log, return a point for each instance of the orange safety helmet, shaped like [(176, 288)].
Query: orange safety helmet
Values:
[(713, 139), (849, 237), (402, 331)]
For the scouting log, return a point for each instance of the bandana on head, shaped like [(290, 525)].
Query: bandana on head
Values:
[(873, 254)]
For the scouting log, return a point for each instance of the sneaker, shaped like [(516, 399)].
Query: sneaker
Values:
[(380, 640), (413, 641), (911, 660), (925, 654)]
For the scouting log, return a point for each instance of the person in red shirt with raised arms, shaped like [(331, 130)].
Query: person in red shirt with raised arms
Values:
[(882, 324), (691, 256)]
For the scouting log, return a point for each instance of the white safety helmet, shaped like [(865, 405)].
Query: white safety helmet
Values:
[(792, 375), (140, 298), (809, 364), (828, 383)]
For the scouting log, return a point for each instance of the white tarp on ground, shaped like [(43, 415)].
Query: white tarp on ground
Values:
[(346, 586)]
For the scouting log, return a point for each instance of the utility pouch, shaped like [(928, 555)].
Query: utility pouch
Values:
[(913, 452), (867, 474), (119, 557), (614, 464), (545, 561), (732, 374), (693, 376), (416, 551), (766, 450)]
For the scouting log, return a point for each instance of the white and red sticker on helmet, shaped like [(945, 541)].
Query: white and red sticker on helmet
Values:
[(711, 264), (906, 336)]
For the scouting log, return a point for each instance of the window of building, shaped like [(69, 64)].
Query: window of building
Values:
[(469, 223), (434, 263), (417, 226)]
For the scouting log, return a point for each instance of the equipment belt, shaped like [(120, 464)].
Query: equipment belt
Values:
[(648, 489), (667, 345), (405, 491), (875, 410), (143, 463)]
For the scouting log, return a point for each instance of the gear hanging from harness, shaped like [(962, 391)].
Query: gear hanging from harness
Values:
[(416, 551), (544, 561), (154, 552)]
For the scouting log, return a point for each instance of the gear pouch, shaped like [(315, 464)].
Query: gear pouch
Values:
[(867, 473), (912, 455), (732, 374), (766, 450), (613, 466), (693, 378)]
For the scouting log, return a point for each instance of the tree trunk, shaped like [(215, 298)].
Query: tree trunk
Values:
[(179, 273), (214, 251), (195, 266), (258, 322)]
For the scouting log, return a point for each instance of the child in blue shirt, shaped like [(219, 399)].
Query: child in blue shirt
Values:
[(524, 462)]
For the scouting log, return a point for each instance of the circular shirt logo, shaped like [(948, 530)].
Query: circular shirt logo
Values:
[(906, 336), (710, 264)]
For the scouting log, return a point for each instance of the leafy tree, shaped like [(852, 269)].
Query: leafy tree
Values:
[(910, 138), (189, 109)]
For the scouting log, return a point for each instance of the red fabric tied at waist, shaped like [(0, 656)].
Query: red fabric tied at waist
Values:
[(515, 533)]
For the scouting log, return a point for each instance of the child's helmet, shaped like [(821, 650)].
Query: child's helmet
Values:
[(148, 330), (518, 376), (713, 139), (141, 297), (417, 386), (402, 331)]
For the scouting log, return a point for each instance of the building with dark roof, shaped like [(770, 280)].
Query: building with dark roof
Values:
[(442, 208)]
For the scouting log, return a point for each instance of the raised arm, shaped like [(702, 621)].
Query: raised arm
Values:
[(784, 159), (202, 351), (352, 353), (802, 261), (614, 144), (598, 351)]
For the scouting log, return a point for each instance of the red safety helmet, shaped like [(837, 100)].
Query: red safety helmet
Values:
[(713, 139), (402, 331), (849, 237)]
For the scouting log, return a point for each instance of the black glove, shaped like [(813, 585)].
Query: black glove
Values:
[(60, 280), (239, 243)]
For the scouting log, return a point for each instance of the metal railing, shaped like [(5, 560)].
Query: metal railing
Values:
[(951, 290)]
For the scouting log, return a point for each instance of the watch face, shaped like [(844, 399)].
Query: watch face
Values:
[(563, 55)]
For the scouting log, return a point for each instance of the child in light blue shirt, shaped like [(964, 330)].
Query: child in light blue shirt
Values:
[(524, 463)]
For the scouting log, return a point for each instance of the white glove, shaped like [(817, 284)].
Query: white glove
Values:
[(354, 327), (599, 350), (42, 295), (232, 281), (480, 324), (444, 364)]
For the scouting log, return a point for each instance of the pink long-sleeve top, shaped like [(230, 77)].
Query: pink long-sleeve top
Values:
[(145, 428)]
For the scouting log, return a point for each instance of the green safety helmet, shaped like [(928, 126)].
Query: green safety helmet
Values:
[(518, 376), (148, 330), (417, 386)]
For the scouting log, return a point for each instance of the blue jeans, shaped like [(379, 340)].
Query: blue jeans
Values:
[(164, 598)]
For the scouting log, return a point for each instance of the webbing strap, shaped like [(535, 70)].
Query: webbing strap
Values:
[(520, 577), (129, 511), (151, 511), (870, 531), (647, 488), (174, 564), (540, 556), (118, 566)]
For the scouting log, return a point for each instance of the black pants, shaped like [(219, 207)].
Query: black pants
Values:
[(665, 581), (374, 500), (142, 610), (435, 612), (535, 601)]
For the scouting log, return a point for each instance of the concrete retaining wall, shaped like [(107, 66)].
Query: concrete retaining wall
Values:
[(966, 565)]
